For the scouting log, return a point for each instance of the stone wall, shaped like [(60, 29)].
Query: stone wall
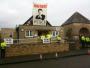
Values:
[(29, 49)]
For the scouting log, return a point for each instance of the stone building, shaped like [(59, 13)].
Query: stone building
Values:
[(77, 24), (29, 33)]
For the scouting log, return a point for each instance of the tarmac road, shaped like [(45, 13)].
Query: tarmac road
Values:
[(69, 62)]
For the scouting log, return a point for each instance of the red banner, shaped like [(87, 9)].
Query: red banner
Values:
[(40, 6)]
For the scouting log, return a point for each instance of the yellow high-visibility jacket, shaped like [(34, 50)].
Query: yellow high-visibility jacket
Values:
[(48, 36), (42, 37), (87, 39), (83, 38), (58, 38), (3, 45)]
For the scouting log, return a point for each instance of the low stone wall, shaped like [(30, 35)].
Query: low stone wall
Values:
[(29, 49)]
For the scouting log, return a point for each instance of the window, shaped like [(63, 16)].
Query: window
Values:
[(28, 34), (55, 33)]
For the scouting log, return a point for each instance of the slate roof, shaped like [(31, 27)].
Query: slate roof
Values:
[(77, 18), (30, 22)]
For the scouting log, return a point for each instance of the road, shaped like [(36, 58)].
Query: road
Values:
[(69, 62)]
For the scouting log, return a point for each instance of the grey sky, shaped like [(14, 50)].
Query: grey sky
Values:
[(14, 12)]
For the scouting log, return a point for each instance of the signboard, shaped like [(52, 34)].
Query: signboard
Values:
[(39, 14), (46, 40), (8, 40)]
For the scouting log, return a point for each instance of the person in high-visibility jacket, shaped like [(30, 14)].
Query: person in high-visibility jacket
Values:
[(58, 38), (83, 38), (42, 37), (48, 36), (87, 41), (83, 41), (3, 48)]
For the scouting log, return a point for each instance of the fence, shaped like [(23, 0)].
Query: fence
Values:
[(36, 41)]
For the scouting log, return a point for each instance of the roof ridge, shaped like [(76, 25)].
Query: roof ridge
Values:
[(76, 18)]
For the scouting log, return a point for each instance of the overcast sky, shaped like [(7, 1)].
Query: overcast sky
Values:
[(14, 12)]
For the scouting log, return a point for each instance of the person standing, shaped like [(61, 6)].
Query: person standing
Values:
[(83, 41), (87, 41), (58, 38), (2, 49)]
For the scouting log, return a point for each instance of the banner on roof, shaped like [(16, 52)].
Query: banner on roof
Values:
[(39, 14)]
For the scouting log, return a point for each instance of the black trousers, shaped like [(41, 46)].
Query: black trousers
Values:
[(2, 53), (83, 44)]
